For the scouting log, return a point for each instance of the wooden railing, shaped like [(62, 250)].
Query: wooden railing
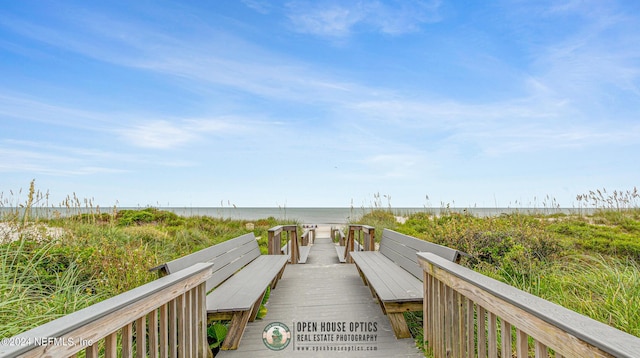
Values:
[(359, 237), (337, 234), (366, 235), (289, 233), (467, 314), (171, 310), (309, 234)]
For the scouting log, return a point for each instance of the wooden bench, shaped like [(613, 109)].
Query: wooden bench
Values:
[(394, 277), (239, 281)]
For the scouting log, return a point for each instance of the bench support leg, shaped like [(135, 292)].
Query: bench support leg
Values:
[(274, 283), (256, 307), (236, 330), (399, 325)]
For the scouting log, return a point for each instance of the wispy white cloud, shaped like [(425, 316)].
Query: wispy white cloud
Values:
[(592, 57), (156, 134), (261, 6), (19, 106), (530, 124), (338, 19), (205, 55), (51, 159), (168, 134), (328, 20)]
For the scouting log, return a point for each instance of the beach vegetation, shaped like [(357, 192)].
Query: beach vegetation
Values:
[(52, 265), (588, 262)]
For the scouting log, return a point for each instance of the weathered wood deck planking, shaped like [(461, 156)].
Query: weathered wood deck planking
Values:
[(322, 290)]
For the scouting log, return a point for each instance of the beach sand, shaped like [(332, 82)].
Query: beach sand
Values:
[(12, 232)]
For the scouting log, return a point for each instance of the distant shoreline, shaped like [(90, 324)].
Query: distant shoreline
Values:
[(320, 215)]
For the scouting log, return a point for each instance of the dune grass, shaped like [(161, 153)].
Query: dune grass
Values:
[(93, 255), (587, 263), (31, 294)]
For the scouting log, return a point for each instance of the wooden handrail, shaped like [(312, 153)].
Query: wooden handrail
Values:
[(172, 309), (364, 233), (467, 314), (309, 234), (274, 244), (336, 233)]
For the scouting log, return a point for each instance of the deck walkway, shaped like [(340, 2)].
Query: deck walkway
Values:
[(319, 292)]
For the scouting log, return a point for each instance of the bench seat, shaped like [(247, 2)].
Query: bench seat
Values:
[(394, 277), (238, 284), (238, 293), (392, 283)]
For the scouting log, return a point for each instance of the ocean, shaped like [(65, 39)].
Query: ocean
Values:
[(300, 215)]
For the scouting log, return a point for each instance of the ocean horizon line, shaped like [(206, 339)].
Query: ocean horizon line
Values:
[(320, 215)]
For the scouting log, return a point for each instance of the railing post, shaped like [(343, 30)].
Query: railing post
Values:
[(369, 238), (275, 238), (273, 244), (349, 244), (294, 249)]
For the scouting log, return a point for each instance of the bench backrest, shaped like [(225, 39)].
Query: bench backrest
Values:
[(227, 258), (402, 250)]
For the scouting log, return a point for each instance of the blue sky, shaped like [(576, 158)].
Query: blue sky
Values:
[(320, 103)]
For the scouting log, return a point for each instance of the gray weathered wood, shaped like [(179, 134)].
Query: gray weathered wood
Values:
[(304, 252), (394, 276), (402, 250), (563, 330), (323, 290), (205, 255), (389, 280), (240, 291), (342, 251), (240, 277), (102, 319)]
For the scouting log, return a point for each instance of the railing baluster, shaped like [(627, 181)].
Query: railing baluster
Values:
[(440, 328), (493, 335), (456, 324), (182, 339), (141, 335), (482, 332), (127, 341), (164, 331), (187, 324), (541, 350), (471, 352), (427, 308), (111, 345), (505, 333), (202, 318), (194, 322), (173, 327), (92, 351), (522, 344), (152, 322)]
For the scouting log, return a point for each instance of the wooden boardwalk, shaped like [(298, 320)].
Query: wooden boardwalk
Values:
[(322, 293)]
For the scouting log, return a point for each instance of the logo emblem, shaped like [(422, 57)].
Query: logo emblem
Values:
[(276, 336)]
